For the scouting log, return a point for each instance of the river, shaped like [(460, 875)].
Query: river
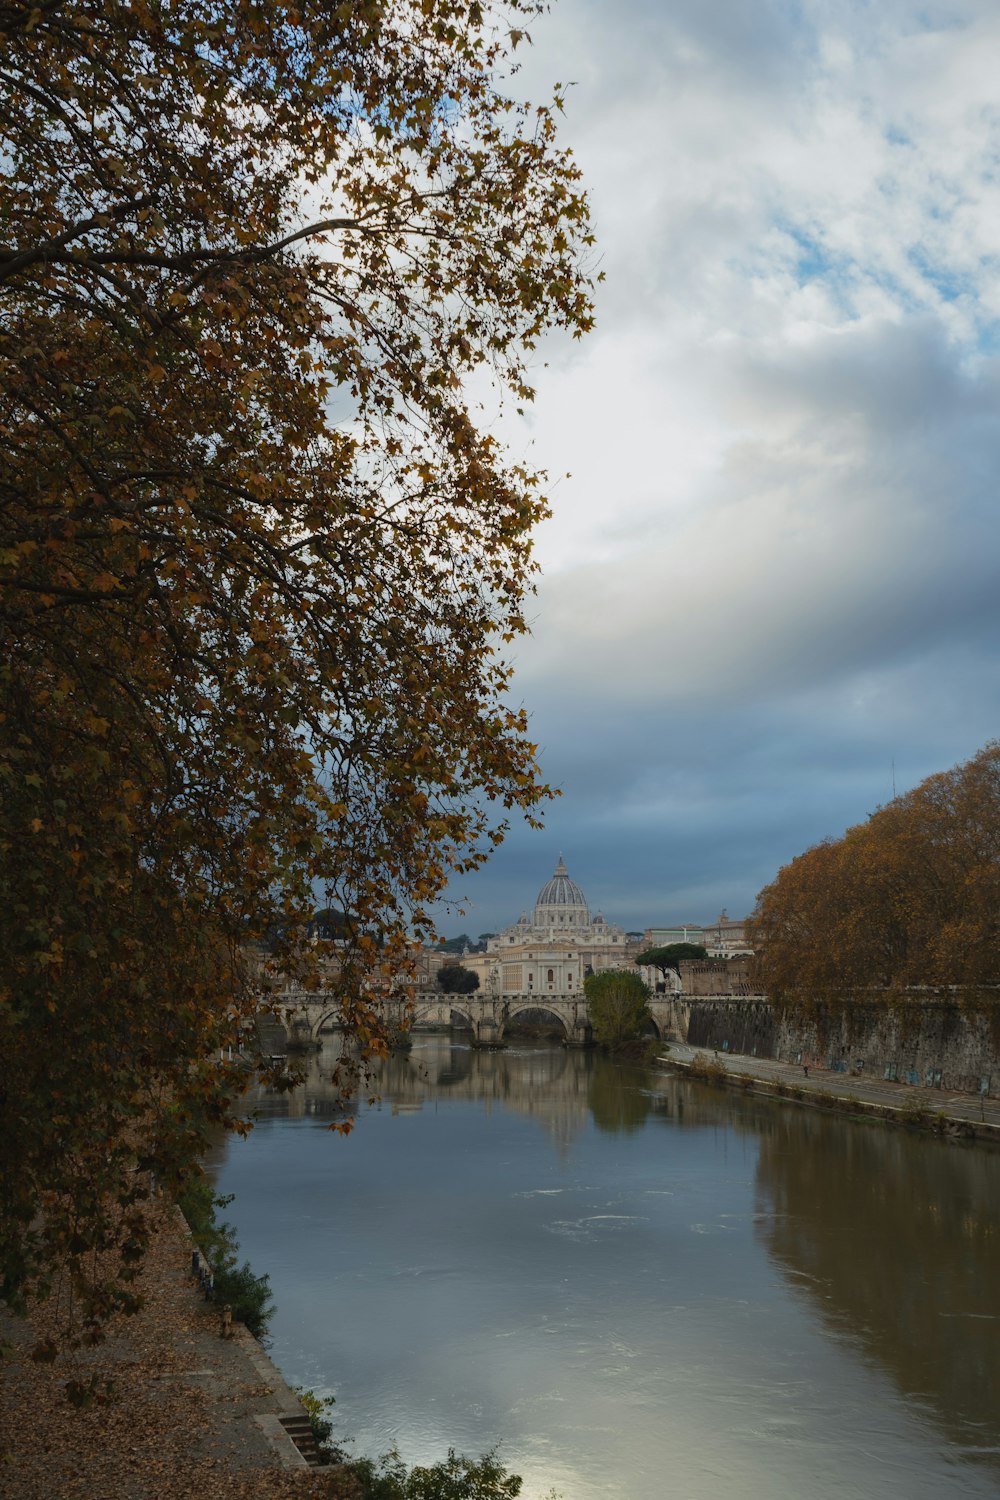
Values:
[(640, 1287)]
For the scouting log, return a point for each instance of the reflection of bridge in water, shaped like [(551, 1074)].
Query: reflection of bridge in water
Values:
[(561, 1088), (552, 1085), (890, 1237), (487, 1015)]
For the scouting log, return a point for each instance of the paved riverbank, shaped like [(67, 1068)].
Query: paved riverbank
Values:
[(961, 1114), (190, 1414)]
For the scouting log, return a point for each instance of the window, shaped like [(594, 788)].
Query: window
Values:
[(551, 977)]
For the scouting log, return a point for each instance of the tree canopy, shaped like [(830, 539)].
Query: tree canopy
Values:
[(458, 944), (456, 979), (258, 562), (670, 955), (618, 1003), (464, 943), (909, 898)]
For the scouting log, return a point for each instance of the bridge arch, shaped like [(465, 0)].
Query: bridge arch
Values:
[(331, 1015), (425, 1012), (536, 1008)]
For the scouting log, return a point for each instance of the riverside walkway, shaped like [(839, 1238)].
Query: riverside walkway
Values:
[(968, 1114), (187, 1413)]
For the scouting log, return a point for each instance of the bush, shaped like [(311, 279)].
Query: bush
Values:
[(248, 1294), (198, 1204), (453, 1478), (913, 1111), (708, 1070), (320, 1426)]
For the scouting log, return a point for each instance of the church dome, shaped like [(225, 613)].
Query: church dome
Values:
[(561, 891)]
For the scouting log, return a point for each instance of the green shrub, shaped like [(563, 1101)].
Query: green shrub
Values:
[(320, 1426), (248, 1294), (617, 1001), (198, 1203), (453, 1478)]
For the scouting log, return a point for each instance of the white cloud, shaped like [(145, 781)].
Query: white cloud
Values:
[(784, 436)]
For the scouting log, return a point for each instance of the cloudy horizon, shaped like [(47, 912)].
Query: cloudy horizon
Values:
[(770, 581)]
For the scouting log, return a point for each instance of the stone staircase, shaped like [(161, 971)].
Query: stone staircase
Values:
[(300, 1432)]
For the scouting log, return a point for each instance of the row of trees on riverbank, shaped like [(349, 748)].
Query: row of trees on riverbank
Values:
[(909, 898), (259, 563)]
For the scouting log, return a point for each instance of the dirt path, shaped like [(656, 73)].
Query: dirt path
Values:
[(191, 1414)]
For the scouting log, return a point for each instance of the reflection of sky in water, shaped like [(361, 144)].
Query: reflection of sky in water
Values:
[(616, 1305)]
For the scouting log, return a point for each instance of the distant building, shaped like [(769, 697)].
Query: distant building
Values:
[(427, 962), (710, 976), (662, 937), (553, 950), (725, 937)]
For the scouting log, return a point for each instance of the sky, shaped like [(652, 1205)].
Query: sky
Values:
[(769, 585)]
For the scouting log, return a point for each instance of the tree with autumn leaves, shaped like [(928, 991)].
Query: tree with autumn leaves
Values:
[(259, 564), (909, 898)]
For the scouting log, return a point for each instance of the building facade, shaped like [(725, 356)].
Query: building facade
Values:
[(551, 950), (663, 937), (723, 938)]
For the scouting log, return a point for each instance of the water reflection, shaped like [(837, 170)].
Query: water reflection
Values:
[(550, 1084), (894, 1239), (580, 1258), (620, 1099), (561, 1087)]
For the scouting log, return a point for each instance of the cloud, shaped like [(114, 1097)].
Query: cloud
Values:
[(849, 521), (774, 570)]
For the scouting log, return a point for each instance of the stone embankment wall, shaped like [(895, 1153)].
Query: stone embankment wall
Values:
[(934, 1042), (733, 1024), (715, 976)]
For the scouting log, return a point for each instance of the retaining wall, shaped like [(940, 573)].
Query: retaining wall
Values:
[(933, 1042)]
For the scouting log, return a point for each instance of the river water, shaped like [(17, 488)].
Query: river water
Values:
[(640, 1287)]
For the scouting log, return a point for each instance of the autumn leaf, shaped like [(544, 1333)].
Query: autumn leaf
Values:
[(257, 561)]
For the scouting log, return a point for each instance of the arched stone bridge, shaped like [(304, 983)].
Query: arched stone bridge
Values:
[(489, 1016)]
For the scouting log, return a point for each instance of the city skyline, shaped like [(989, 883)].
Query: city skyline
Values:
[(459, 924)]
